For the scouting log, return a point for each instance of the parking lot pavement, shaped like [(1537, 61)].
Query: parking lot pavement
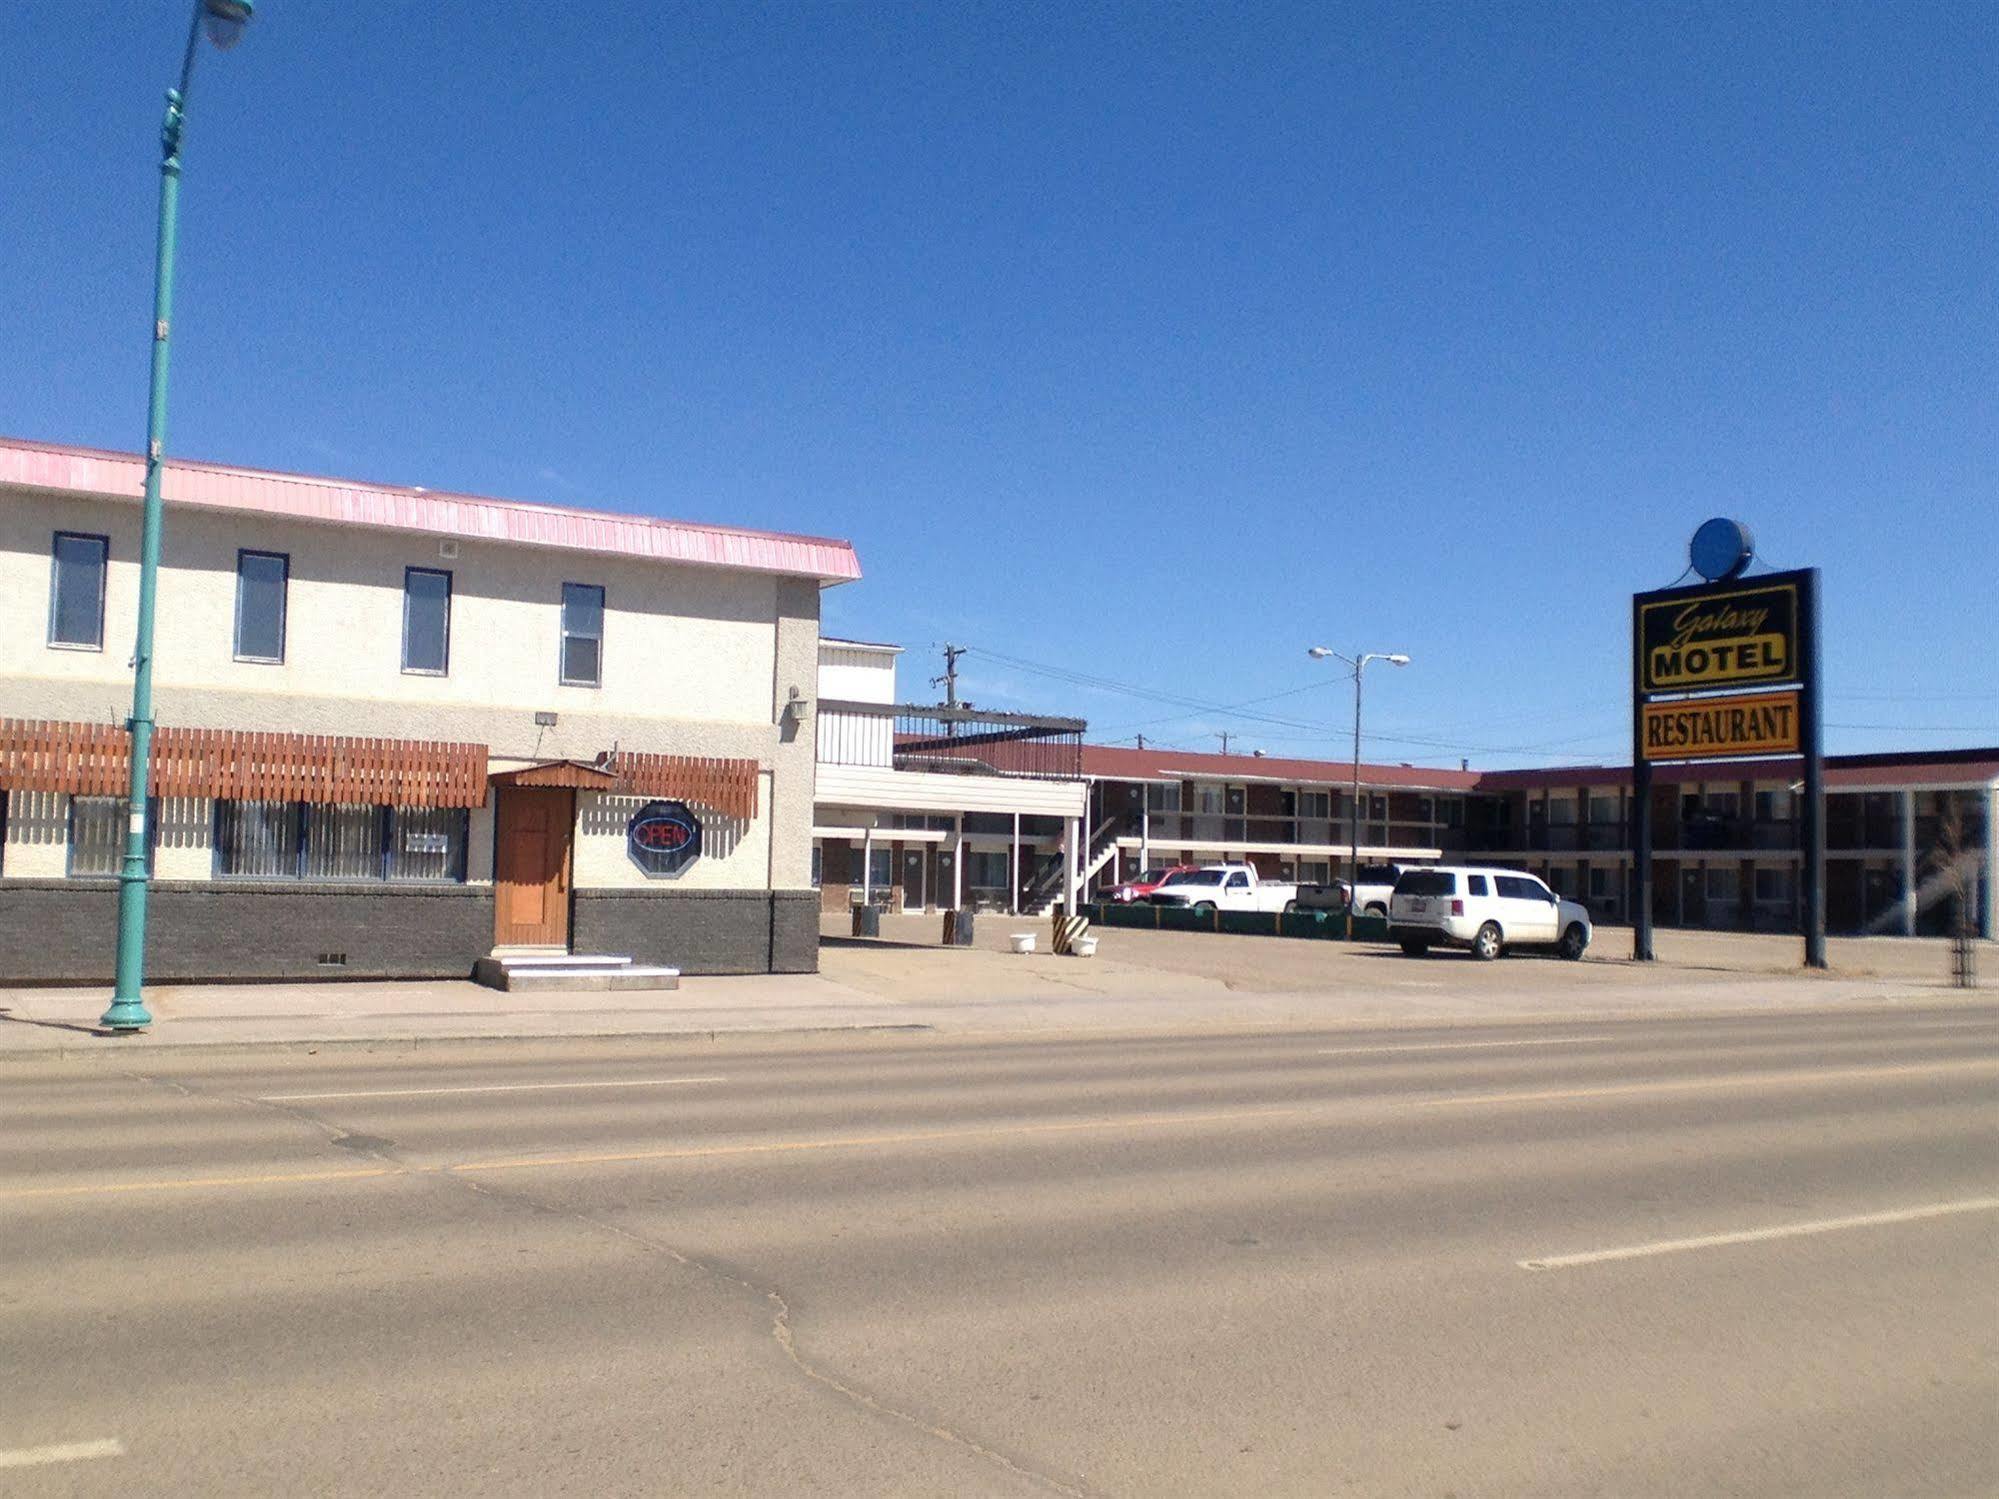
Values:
[(1139, 980)]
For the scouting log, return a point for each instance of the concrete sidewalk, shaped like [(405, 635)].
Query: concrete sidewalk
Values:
[(1139, 981)]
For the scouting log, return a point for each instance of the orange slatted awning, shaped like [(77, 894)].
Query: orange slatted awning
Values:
[(727, 786), (89, 759)]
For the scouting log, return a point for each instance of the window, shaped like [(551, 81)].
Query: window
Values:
[(1238, 882), (1427, 882), (881, 868), (343, 842), (76, 591), (427, 843), (583, 635), (1599, 882), (1603, 810), (1475, 885), (315, 841), (97, 834), (1316, 804), (1513, 887), (818, 866), (1773, 886), (1163, 798), (257, 840), (1208, 799), (1562, 811), (1773, 806), (1724, 882), (987, 871), (260, 605), (426, 621), (1315, 871)]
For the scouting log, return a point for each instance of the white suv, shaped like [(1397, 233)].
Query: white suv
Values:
[(1486, 910)]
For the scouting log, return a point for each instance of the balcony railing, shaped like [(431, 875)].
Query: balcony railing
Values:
[(1168, 828), (952, 741)]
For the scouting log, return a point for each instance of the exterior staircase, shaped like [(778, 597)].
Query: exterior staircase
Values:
[(543, 970), (1046, 888)]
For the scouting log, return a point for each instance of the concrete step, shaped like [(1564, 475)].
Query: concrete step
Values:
[(569, 973)]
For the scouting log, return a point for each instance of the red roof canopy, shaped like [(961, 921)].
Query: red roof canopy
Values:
[(92, 471)]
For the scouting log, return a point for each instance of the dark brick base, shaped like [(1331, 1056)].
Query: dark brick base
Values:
[(63, 931), (703, 931)]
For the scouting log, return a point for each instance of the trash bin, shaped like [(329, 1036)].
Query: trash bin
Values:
[(867, 921), (957, 928)]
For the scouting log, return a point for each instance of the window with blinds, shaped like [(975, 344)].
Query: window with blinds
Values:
[(338, 843), (97, 835)]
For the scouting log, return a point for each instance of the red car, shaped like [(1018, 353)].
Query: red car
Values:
[(1145, 882)]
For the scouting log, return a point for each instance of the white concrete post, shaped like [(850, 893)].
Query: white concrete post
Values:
[(1908, 863), (1145, 828), (958, 868), (1013, 869), (1071, 865), (1992, 865), (867, 866)]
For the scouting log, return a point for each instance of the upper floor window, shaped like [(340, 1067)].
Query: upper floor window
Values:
[(76, 591), (426, 621), (261, 578), (582, 635)]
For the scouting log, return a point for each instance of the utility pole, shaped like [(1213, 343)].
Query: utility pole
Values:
[(1225, 736), (1141, 741), (949, 681)]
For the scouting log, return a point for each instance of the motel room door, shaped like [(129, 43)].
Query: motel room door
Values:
[(531, 862)]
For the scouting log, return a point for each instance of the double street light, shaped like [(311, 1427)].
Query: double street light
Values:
[(1359, 666), (222, 22)]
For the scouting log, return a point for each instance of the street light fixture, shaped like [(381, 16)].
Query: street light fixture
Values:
[(1359, 665), (223, 22)]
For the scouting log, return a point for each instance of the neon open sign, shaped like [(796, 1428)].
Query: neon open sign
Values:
[(663, 838)]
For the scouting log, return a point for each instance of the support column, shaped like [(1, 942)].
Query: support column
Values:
[(958, 867), (1069, 866), (1908, 863), (1013, 869), (1992, 865), (1145, 829), (867, 865)]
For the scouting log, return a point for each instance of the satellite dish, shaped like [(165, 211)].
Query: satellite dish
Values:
[(1721, 549)]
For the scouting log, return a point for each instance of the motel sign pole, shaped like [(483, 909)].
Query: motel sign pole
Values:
[(223, 20)]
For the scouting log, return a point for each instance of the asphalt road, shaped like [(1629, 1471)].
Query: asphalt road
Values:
[(1723, 1256)]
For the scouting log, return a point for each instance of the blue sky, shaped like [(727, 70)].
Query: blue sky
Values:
[(1151, 344)]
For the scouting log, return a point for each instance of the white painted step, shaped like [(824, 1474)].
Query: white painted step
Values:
[(517, 973)]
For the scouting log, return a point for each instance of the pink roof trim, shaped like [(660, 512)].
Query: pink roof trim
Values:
[(348, 502)]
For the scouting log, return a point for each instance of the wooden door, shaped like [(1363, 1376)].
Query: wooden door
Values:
[(531, 850)]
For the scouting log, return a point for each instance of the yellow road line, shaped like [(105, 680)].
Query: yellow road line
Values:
[(1712, 1084)]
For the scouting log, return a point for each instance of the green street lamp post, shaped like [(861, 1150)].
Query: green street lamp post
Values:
[(223, 22), (1359, 665)]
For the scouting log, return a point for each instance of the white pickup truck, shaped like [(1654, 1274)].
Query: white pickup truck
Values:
[(1225, 887)]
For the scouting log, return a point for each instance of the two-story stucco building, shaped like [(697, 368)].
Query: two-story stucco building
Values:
[(400, 728)]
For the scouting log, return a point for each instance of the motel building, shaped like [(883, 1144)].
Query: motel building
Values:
[(401, 730), (937, 808), (1725, 835)]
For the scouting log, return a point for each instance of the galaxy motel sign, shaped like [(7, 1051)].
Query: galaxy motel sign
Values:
[(1728, 670)]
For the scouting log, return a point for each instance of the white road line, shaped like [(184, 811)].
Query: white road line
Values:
[(1761, 1235), (641, 1082), (1359, 1051), (62, 1452)]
